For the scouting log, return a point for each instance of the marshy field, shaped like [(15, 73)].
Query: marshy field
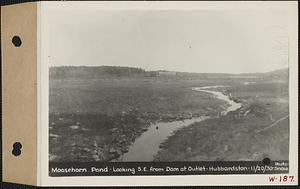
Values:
[(114, 113)]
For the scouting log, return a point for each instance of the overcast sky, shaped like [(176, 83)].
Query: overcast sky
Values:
[(216, 41)]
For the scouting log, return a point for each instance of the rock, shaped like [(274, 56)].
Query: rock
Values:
[(114, 129), (119, 151), (52, 157), (226, 148), (74, 127), (123, 137), (112, 150), (188, 149), (123, 149), (84, 129), (100, 155), (96, 157), (54, 136), (95, 144)]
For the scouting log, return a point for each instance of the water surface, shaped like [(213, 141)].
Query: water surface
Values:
[(147, 145)]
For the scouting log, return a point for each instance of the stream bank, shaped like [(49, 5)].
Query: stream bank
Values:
[(148, 144)]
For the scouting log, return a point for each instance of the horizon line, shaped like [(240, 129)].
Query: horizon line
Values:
[(171, 70)]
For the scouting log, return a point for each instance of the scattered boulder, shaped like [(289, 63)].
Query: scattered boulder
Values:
[(188, 149), (226, 148), (96, 157), (84, 129), (114, 129), (52, 157), (53, 135), (74, 127), (112, 150)]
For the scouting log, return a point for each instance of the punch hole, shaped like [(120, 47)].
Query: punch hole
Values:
[(266, 161), (17, 146), (16, 40)]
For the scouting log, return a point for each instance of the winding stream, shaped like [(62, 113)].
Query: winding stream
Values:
[(232, 104), (147, 145)]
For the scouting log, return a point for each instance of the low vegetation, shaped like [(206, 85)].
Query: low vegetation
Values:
[(240, 135), (95, 114)]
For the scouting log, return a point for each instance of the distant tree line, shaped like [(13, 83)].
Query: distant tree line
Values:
[(83, 72), (94, 71)]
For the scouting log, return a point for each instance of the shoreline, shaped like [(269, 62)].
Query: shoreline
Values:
[(102, 152)]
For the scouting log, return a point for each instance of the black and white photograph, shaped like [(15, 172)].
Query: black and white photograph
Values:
[(150, 93), (168, 85)]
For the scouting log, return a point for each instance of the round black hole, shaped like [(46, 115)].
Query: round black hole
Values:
[(266, 161), (17, 149), (16, 40)]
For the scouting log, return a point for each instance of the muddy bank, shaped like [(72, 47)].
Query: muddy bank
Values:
[(147, 145), (93, 137)]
